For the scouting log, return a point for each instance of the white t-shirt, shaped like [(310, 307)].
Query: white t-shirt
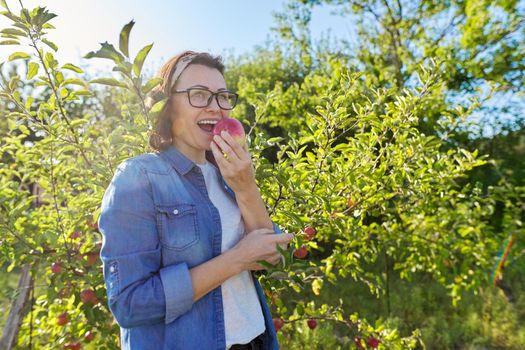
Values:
[(243, 315)]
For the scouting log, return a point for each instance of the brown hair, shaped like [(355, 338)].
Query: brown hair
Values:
[(160, 137)]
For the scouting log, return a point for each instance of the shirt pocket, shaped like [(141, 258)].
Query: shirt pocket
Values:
[(178, 226)]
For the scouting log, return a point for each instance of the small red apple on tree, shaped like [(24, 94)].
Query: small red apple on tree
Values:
[(91, 258), (56, 267), (278, 323), (73, 346), (62, 319), (88, 296), (93, 225), (233, 127), (301, 252), (88, 337), (358, 341), (372, 342), (311, 323), (309, 232), (75, 235)]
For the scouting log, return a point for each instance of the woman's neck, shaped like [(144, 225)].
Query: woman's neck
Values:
[(195, 155)]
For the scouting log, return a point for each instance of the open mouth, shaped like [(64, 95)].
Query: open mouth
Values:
[(207, 125)]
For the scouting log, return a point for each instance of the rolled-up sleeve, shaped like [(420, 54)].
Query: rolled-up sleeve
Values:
[(140, 291), (276, 228)]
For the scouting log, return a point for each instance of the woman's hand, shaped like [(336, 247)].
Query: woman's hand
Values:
[(235, 162), (260, 245)]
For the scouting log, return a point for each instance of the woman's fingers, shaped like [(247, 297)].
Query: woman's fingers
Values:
[(240, 150), (226, 149), (219, 156)]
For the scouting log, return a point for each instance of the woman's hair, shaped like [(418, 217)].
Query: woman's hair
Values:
[(160, 137)]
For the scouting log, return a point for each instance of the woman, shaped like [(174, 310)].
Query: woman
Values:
[(184, 227)]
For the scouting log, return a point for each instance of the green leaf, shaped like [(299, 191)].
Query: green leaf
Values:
[(23, 129), (82, 93), (50, 44), (9, 42), (17, 56), (29, 102), (50, 60), (107, 51), (32, 70), (139, 60), (108, 81), (124, 68), (72, 67), (4, 4), (151, 84), (124, 38), (157, 107), (13, 31), (74, 81)]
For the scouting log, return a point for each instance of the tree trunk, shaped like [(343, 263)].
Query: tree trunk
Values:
[(18, 309)]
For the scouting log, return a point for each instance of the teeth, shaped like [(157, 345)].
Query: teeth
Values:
[(213, 122)]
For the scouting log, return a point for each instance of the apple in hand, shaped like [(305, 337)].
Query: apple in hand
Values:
[(233, 127)]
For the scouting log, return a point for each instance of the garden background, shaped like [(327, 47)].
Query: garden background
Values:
[(403, 148)]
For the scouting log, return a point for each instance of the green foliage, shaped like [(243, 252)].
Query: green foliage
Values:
[(367, 147)]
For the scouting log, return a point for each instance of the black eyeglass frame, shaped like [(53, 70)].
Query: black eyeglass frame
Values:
[(216, 94)]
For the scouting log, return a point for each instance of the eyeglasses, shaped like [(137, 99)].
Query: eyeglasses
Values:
[(201, 97)]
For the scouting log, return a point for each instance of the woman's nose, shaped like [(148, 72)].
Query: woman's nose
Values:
[(213, 106)]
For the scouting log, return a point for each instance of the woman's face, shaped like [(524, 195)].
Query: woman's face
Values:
[(188, 137)]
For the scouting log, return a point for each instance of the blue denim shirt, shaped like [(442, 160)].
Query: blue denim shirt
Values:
[(158, 222)]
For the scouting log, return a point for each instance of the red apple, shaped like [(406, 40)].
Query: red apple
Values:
[(311, 323), (73, 346), (372, 342), (62, 319), (88, 336), (56, 267), (91, 259), (93, 225), (233, 127), (88, 296), (278, 323), (75, 235), (300, 253), (309, 232), (358, 342)]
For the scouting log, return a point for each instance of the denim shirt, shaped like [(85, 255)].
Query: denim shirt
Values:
[(157, 223)]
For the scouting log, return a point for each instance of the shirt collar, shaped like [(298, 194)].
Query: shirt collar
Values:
[(180, 162)]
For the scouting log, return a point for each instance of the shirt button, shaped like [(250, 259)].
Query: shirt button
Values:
[(112, 269), (175, 211)]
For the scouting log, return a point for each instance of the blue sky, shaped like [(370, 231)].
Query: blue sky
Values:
[(219, 26)]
